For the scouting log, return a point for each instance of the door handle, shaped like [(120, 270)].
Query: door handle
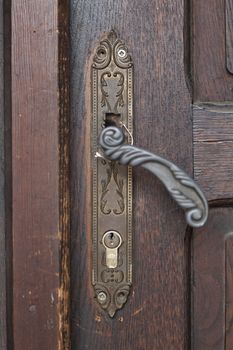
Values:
[(181, 187), (112, 77)]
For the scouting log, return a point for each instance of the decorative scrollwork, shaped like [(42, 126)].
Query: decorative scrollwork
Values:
[(121, 55), (118, 94), (121, 295), (181, 187), (103, 54), (114, 49), (111, 275), (112, 173), (112, 302), (105, 95)]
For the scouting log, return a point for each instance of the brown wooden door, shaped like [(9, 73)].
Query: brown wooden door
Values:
[(181, 297)]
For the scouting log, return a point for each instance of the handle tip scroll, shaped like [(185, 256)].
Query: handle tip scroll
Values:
[(181, 187)]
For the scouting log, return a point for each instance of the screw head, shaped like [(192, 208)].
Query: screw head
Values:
[(122, 53), (102, 297)]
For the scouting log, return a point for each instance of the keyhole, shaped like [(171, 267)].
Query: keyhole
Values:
[(111, 234), (112, 239)]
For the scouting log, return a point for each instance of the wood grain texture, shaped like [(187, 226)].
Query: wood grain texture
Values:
[(229, 35), (229, 292), (155, 315), (8, 168), (64, 172), (212, 286), (213, 149), (2, 196), (211, 80), (35, 163)]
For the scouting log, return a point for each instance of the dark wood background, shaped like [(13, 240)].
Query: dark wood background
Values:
[(2, 195), (212, 267), (183, 110)]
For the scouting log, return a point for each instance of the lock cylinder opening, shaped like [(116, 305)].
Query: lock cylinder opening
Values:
[(113, 119)]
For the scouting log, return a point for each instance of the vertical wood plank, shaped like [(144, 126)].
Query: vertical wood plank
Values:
[(229, 35), (35, 178), (211, 80), (8, 168), (229, 292), (2, 192), (212, 286), (155, 315), (64, 171)]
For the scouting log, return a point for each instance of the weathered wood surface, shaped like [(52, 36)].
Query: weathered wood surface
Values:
[(2, 195), (64, 172), (229, 35), (155, 315), (212, 286), (213, 149), (8, 167), (35, 177), (211, 80)]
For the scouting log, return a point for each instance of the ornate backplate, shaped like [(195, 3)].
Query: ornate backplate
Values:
[(112, 84)]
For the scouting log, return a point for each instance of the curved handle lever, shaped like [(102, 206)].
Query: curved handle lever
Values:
[(181, 187)]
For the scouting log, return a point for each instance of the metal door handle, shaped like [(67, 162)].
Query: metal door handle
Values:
[(112, 77), (181, 187)]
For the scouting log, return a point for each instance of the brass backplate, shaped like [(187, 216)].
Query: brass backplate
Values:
[(112, 104)]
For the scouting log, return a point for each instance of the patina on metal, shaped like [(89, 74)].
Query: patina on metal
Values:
[(181, 187), (112, 105)]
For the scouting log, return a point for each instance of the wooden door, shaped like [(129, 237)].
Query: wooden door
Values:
[(181, 297)]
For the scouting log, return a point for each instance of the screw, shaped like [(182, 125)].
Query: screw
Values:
[(122, 53), (102, 297)]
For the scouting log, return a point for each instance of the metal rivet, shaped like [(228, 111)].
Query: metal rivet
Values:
[(122, 53), (102, 297)]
